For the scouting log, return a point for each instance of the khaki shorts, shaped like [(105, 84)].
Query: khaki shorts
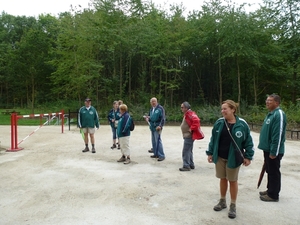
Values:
[(222, 171), (88, 130)]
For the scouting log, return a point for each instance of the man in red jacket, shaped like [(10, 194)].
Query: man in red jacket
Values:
[(191, 131)]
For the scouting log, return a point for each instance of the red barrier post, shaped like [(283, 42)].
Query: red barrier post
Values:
[(14, 134), (62, 121)]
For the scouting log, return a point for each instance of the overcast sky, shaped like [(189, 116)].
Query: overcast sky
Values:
[(36, 7)]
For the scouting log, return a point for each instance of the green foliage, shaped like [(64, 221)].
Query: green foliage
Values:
[(133, 51)]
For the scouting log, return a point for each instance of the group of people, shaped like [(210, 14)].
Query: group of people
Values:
[(230, 137)]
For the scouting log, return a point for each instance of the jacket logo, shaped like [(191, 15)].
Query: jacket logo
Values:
[(91, 112), (156, 111), (238, 134), (268, 121)]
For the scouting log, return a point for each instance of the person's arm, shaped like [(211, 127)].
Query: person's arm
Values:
[(248, 144), (278, 122), (163, 117), (96, 119), (195, 122), (79, 119)]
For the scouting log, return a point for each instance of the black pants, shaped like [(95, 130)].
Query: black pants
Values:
[(274, 175)]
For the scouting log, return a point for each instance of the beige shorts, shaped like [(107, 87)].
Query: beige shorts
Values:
[(88, 130), (222, 171)]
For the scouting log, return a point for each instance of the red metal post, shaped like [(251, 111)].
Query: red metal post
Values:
[(14, 134), (62, 121)]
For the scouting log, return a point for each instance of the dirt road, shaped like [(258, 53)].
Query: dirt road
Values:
[(52, 182)]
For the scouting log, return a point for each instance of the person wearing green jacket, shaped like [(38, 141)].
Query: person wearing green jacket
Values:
[(156, 120), (271, 141), (123, 132), (113, 119), (229, 134), (87, 121)]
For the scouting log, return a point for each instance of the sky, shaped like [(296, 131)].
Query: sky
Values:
[(54, 7)]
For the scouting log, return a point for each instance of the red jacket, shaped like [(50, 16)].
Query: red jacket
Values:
[(194, 123)]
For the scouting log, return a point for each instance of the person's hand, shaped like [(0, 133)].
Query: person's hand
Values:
[(210, 158), (246, 162), (158, 128), (272, 156)]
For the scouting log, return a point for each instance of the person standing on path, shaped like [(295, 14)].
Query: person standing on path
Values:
[(190, 128), (156, 118), (123, 133), (113, 118), (229, 134), (87, 121), (271, 141)]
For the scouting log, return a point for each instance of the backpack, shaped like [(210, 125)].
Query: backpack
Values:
[(132, 125)]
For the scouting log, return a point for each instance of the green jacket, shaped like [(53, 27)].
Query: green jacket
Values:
[(272, 133), (157, 117), (88, 117), (240, 133), (123, 125)]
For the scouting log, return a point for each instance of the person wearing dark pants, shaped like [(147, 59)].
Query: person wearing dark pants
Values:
[(274, 175), (190, 128), (271, 141)]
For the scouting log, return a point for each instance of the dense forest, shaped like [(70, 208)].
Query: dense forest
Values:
[(131, 50)]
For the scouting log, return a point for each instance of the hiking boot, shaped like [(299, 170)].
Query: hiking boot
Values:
[(184, 169), (122, 159), (86, 149), (113, 146), (263, 193), (127, 161), (232, 211), (119, 147), (267, 198), (221, 205), (93, 150)]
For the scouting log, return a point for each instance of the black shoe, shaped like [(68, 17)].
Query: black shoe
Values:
[(192, 167), (150, 151), (113, 146), (161, 159), (184, 169), (86, 149), (119, 147), (93, 150), (154, 156)]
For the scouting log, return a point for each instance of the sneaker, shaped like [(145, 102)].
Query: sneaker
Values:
[(192, 167), (232, 211), (160, 159), (184, 169), (113, 146), (122, 159), (119, 146), (267, 198), (93, 150), (86, 149), (151, 150), (153, 156), (263, 193), (221, 205), (127, 161)]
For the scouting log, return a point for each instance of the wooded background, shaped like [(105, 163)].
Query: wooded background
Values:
[(132, 51)]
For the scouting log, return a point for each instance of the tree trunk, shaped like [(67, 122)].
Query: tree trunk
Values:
[(220, 78), (239, 84)]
